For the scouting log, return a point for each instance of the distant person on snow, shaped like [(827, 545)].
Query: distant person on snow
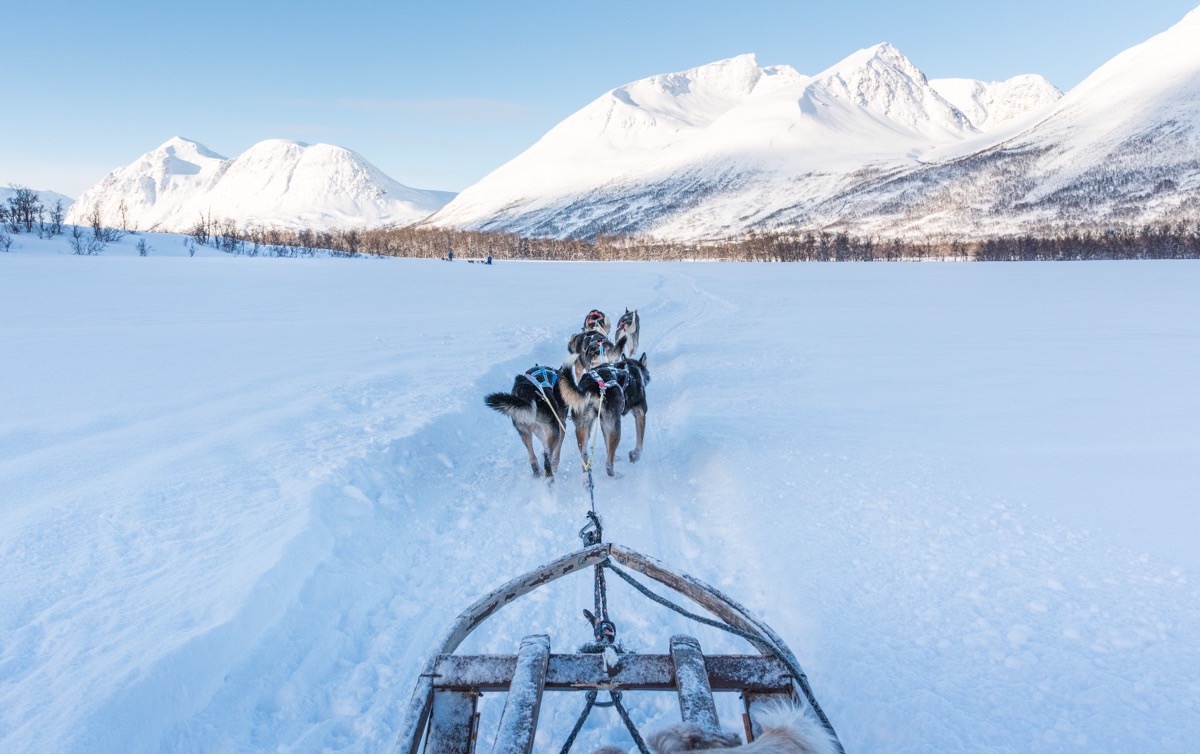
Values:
[(450, 255), (489, 259)]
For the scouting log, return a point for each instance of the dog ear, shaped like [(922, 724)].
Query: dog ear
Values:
[(642, 360)]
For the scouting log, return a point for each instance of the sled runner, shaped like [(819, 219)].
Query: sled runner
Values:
[(441, 718)]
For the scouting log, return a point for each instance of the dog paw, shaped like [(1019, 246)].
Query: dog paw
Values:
[(634, 455)]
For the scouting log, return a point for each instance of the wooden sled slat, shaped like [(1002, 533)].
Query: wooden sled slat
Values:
[(451, 722), (696, 703), (637, 672), (518, 722)]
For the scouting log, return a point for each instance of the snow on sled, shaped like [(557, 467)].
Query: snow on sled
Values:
[(442, 717)]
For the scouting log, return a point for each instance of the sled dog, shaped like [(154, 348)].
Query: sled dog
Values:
[(596, 321), (606, 392), (593, 349), (786, 729), (535, 405), (628, 328)]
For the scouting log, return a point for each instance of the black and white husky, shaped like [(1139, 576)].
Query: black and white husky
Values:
[(629, 327), (606, 392), (536, 407)]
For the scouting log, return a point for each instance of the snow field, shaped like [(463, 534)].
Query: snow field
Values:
[(244, 497)]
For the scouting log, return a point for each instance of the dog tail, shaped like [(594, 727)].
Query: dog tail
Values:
[(509, 404), (792, 724)]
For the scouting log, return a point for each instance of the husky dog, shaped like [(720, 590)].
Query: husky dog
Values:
[(536, 407), (593, 349), (606, 392), (786, 729), (628, 328), (596, 321)]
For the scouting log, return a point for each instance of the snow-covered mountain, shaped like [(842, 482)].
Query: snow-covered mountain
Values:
[(869, 145), (989, 105), (727, 146), (275, 183), (1121, 147)]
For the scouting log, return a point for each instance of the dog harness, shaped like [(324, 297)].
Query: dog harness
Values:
[(617, 378), (544, 378)]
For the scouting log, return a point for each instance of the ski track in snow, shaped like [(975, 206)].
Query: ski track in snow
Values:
[(273, 576)]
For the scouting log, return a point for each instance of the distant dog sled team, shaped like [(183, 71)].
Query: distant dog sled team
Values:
[(600, 380)]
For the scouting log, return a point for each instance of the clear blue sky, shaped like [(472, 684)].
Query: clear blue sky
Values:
[(438, 94)]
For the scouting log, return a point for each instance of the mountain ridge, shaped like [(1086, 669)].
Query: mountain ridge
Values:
[(870, 145), (275, 183)]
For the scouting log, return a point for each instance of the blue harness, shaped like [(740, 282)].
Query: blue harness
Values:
[(544, 378)]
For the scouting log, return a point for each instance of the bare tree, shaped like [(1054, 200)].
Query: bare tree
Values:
[(202, 229), (101, 233), (57, 214), (83, 244), (25, 208)]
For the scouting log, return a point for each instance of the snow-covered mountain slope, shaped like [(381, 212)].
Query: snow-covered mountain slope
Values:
[(726, 146), (275, 183), (870, 146), (1121, 147), (705, 148), (989, 105)]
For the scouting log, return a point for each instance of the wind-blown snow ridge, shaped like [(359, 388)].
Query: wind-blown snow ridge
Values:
[(275, 183)]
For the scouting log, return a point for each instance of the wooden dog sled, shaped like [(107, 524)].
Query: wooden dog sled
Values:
[(442, 719)]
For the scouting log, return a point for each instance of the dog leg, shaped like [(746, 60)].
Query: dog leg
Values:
[(583, 426), (527, 438), (556, 443), (639, 419), (611, 424)]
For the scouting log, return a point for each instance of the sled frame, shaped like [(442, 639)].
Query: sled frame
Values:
[(441, 712)]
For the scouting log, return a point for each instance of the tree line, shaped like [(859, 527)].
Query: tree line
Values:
[(24, 212), (1162, 241)]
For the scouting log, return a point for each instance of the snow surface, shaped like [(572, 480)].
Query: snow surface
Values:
[(275, 183), (244, 497)]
